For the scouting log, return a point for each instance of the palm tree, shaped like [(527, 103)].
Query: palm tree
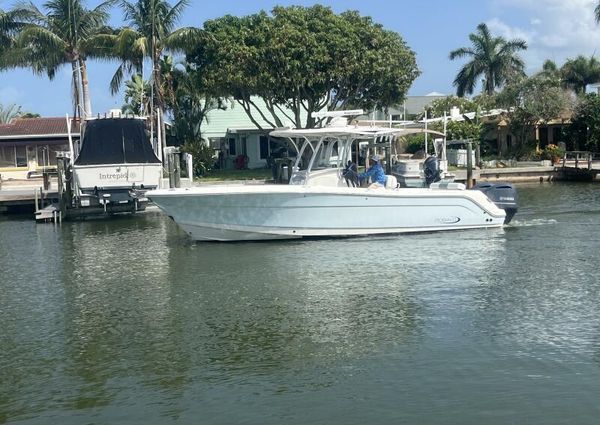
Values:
[(494, 58), (137, 96), (8, 112), (67, 34), (579, 72), (10, 25), (597, 12), (151, 33)]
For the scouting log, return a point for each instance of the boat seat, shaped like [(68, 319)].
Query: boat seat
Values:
[(391, 182), (448, 186)]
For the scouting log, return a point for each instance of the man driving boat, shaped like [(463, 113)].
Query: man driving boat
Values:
[(375, 172)]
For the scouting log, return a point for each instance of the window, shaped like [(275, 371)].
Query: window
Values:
[(509, 141), (7, 156), (264, 147), (21, 153), (232, 147)]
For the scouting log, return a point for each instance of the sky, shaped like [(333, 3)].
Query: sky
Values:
[(553, 29)]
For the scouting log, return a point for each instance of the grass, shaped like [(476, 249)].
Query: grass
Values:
[(251, 174)]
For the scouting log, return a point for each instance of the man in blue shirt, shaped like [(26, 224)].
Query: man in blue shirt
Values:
[(375, 172)]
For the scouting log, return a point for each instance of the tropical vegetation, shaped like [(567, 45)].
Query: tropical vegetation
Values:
[(9, 112), (584, 131), (285, 65), (300, 60), (64, 32), (151, 33), (493, 58)]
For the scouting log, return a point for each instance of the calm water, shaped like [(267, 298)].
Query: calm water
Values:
[(126, 321)]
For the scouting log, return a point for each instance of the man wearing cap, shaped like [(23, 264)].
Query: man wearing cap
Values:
[(375, 172)]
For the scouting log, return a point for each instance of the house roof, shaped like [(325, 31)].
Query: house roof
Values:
[(20, 128)]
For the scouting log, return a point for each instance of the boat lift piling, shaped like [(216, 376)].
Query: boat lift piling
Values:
[(469, 164)]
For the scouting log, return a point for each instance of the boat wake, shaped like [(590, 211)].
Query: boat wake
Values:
[(533, 222)]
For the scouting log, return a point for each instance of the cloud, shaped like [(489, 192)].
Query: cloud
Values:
[(553, 29)]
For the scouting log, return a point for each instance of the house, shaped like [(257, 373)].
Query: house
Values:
[(237, 140), (409, 109), (544, 133), (28, 145)]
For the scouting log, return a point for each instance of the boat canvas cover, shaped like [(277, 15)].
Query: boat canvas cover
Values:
[(116, 141)]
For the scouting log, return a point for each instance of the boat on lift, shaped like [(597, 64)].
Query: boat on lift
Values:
[(319, 203), (110, 169)]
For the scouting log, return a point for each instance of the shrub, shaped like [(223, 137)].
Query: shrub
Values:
[(202, 156), (553, 153)]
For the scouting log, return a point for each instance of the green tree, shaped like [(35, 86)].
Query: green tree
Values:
[(10, 25), (9, 112), (535, 101), (137, 96), (494, 58), (579, 72), (190, 104), (302, 59), (151, 33), (550, 70), (584, 131), (463, 130), (67, 33), (438, 107)]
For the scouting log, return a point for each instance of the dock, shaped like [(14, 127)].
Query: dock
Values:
[(24, 196)]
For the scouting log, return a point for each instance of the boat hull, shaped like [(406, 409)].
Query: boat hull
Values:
[(290, 212)]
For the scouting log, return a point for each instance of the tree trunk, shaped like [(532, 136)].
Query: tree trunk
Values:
[(158, 92), (163, 130), (87, 101), (76, 89)]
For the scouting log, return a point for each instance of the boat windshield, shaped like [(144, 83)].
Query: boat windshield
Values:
[(326, 155)]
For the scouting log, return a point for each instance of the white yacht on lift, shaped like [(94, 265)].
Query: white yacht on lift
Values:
[(319, 203), (111, 168)]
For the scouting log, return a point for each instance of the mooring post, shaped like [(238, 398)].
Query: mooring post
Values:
[(35, 194), (469, 164)]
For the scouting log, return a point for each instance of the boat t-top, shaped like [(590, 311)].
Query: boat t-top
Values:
[(319, 202)]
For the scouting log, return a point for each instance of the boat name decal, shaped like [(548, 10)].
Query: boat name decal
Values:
[(117, 176), (448, 220)]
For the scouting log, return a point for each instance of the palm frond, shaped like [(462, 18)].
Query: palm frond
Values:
[(461, 52), (184, 39), (174, 14)]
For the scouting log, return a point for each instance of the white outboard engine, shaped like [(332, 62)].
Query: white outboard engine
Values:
[(431, 168), (504, 195)]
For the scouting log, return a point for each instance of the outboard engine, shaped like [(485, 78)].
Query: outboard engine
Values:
[(431, 168), (504, 195)]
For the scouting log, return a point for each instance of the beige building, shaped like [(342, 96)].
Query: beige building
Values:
[(28, 145)]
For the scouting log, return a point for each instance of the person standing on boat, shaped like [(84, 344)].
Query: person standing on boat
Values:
[(375, 172)]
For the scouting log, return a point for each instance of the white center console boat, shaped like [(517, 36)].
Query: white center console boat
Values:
[(319, 203)]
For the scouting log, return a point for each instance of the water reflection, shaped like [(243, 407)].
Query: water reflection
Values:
[(129, 319), (263, 308)]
